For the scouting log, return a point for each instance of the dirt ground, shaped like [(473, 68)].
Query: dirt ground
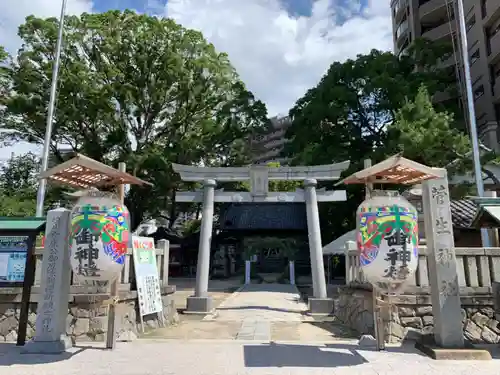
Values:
[(219, 290)]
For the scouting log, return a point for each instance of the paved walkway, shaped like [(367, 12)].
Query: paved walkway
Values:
[(234, 358), (264, 303), (258, 306)]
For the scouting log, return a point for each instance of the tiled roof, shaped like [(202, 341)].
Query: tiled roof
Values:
[(256, 216), (463, 212)]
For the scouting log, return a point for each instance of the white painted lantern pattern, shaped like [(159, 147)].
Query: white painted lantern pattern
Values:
[(99, 238), (387, 239)]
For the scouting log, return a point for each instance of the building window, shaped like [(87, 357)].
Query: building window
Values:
[(478, 92), (470, 23), (474, 57)]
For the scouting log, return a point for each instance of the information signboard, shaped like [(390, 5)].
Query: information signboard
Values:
[(146, 275), (17, 261), (13, 255)]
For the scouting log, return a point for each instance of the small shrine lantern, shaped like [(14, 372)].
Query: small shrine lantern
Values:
[(99, 237), (387, 224), (100, 225), (387, 239)]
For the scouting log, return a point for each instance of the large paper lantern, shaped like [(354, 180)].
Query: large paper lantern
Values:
[(387, 239), (99, 237)]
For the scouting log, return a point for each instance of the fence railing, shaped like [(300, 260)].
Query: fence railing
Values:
[(476, 267), (127, 277)]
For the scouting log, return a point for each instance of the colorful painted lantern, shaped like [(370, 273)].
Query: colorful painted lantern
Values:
[(387, 239), (99, 237)]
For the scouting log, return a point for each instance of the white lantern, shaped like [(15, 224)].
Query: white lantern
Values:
[(99, 237), (387, 238)]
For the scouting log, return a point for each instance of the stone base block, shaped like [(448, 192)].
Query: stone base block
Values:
[(199, 305), (463, 354), (320, 306), (367, 341), (47, 347)]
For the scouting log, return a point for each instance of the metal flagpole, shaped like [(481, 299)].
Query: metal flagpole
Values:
[(472, 113), (40, 197)]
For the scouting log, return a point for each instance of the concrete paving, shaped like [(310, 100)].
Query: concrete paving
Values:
[(256, 317), (262, 302), (258, 306), (234, 357)]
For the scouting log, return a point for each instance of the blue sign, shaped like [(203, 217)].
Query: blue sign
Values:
[(13, 254)]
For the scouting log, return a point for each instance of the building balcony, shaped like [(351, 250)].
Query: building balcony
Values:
[(279, 142), (398, 10), (450, 61), (492, 12), (402, 30), (441, 96), (441, 32), (496, 91), (432, 10), (494, 48)]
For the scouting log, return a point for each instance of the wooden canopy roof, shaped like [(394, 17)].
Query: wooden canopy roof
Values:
[(84, 172), (394, 170)]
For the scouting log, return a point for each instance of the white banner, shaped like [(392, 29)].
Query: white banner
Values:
[(146, 275)]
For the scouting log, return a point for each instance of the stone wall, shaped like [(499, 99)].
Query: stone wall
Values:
[(87, 320), (411, 316), (353, 307)]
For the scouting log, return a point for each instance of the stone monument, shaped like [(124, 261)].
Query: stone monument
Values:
[(50, 334), (443, 277)]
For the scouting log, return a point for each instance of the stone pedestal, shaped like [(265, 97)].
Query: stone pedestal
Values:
[(442, 263), (321, 306), (292, 272), (199, 305), (52, 308)]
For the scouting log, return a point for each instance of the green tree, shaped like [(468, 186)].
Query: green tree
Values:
[(19, 174), (18, 186), (132, 88), (423, 134), (345, 116)]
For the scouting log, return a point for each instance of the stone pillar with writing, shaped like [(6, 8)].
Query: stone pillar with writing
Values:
[(50, 333), (443, 277)]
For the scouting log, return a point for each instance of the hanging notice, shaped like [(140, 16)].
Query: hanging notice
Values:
[(13, 254), (146, 275)]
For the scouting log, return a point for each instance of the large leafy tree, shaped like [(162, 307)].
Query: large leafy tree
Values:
[(18, 186), (345, 116), (424, 134), (132, 88)]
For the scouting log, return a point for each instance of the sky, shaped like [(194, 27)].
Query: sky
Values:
[(280, 48)]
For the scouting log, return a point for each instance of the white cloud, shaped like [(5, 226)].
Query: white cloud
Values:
[(280, 56), (277, 55), (12, 14)]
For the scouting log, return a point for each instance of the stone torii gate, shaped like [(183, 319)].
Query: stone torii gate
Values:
[(259, 177)]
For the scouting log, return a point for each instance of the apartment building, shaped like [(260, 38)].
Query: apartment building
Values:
[(269, 146), (436, 20)]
